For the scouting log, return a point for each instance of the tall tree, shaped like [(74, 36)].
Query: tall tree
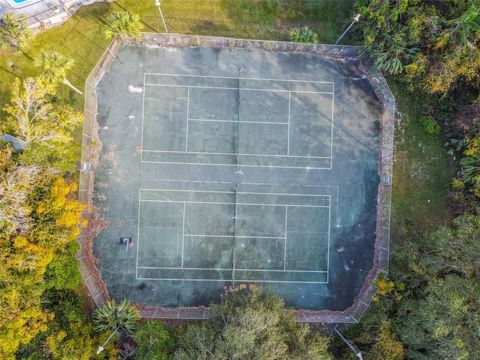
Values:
[(123, 24), (434, 43), (153, 341), (440, 319), (47, 221), (46, 129), (54, 67), (14, 31), (251, 324)]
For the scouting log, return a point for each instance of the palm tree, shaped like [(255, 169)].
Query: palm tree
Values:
[(116, 317), (14, 31), (462, 30), (123, 24), (303, 35), (54, 67)]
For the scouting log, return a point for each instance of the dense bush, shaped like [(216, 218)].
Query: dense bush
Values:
[(251, 324), (153, 341)]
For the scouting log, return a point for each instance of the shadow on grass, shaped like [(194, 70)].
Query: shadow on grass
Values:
[(264, 18)]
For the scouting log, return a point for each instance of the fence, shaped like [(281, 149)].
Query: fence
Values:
[(91, 147), (45, 14)]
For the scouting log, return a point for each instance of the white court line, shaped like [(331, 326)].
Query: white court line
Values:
[(141, 147), (237, 89), (230, 269), (294, 167), (238, 203), (183, 232), (288, 128), (188, 111), (331, 130), (253, 270), (230, 280), (239, 121), (232, 192), (258, 79), (234, 256), (241, 154), (243, 183), (138, 232), (306, 168), (286, 237), (143, 112), (328, 242), (238, 236), (237, 78)]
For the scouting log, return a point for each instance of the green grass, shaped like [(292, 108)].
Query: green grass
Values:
[(81, 37), (422, 172), (422, 168)]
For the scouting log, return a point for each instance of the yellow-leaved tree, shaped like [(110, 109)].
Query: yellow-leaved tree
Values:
[(39, 218)]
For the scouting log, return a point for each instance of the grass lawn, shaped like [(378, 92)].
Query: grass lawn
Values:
[(81, 37), (422, 168), (422, 172)]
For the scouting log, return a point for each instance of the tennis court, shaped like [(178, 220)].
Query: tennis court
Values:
[(226, 167)]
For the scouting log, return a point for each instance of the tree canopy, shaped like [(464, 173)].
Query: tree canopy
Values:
[(45, 127), (435, 44), (123, 24), (54, 67), (251, 324), (39, 218), (441, 318), (14, 32)]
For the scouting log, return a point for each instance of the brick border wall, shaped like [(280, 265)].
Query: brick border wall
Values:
[(91, 146)]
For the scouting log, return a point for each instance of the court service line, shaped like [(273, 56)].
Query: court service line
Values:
[(288, 123), (243, 204), (239, 121), (331, 129), (237, 89), (237, 78), (234, 165), (240, 154), (183, 232), (238, 192), (328, 242), (243, 183), (230, 280), (139, 192), (230, 269), (237, 236), (188, 110), (143, 112), (234, 255), (138, 233), (286, 237)]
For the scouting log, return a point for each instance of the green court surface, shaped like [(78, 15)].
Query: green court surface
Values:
[(236, 166)]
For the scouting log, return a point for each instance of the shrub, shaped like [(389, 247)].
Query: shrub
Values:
[(304, 35), (430, 125), (153, 341)]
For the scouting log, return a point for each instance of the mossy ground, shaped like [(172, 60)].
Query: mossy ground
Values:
[(422, 171)]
